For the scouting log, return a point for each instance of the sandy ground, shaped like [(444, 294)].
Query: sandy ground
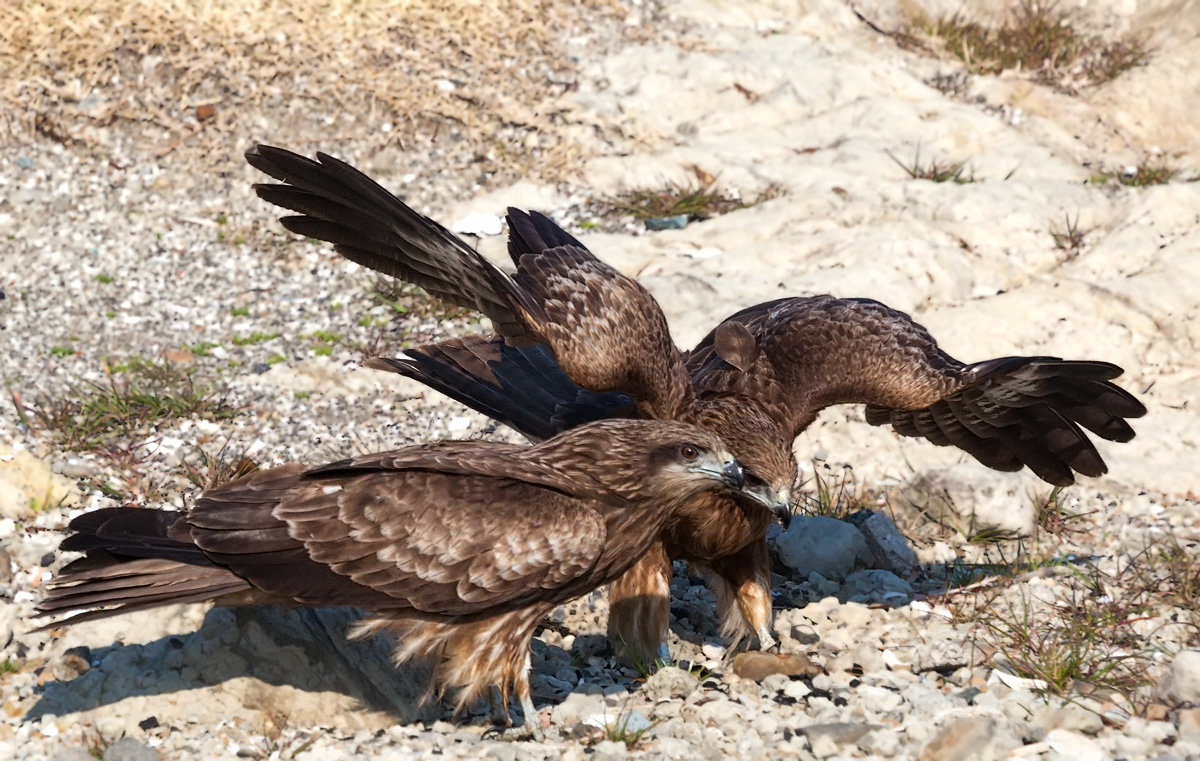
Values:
[(118, 168)]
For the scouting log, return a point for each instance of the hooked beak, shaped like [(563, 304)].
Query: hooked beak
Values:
[(730, 474), (779, 501)]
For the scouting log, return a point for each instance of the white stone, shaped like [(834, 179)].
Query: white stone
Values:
[(1180, 683)]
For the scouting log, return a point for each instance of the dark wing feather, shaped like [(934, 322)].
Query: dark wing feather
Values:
[(389, 538), (1029, 411), (533, 233), (1007, 413), (818, 351), (370, 226), (522, 387)]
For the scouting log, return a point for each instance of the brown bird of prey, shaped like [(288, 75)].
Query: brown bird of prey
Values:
[(459, 547), (579, 341)]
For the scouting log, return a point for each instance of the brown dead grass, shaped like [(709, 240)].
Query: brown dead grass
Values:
[(193, 66)]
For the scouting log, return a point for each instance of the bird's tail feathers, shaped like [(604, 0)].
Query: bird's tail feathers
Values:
[(135, 559)]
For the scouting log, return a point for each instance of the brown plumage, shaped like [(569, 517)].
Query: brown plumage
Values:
[(461, 548), (580, 341)]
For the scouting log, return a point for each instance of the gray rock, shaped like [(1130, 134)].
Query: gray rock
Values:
[(839, 733), (972, 499), (129, 749), (1188, 721), (978, 738), (6, 572), (1180, 683), (73, 466), (826, 546), (578, 706), (888, 546), (1069, 716), (669, 682), (872, 586)]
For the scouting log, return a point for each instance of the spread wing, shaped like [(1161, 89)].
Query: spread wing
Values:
[(606, 331), (370, 226), (522, 387), (797, 356), (383, 533)]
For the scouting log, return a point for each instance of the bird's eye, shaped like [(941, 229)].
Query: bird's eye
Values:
[(753, 480), (689, 453)]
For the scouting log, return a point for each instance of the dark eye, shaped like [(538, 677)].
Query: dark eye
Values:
[(689, 453), (753, 480)]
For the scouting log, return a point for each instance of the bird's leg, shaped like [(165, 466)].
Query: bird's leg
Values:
[(532, 721), (744, 579), (639, 603)]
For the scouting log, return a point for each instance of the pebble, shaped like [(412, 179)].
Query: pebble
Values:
[(824, 546), (1180, 683), (669, 682), (758, 665)]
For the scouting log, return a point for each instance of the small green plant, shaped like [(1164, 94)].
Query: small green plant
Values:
[(323, 350), (1054, 515), (11, 666), (1083, 638), (302, 395), (203, 348), (103, 278), (207, 469), (275, 359), (61, 351), (49, 500), (127, 403), (240, 311), (621, 731), (1145, 174), (833, 494), (1070, 237), (326, 336), (935, 171), (253, 338)]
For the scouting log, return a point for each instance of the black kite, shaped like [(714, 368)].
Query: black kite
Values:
[(460, 548), (579, 341)]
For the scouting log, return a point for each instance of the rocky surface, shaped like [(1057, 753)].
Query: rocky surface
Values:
[(130, 231)]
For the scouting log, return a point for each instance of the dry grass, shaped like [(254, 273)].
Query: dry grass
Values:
[(1035, 37), (1078, 624), (697, 201), (427, 67)]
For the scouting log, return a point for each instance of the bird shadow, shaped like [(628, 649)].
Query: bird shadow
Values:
[(248, 652)]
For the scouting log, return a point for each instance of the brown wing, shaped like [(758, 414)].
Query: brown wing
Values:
[(382, 538), (606, 331), (805, 354), (370, 226)]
